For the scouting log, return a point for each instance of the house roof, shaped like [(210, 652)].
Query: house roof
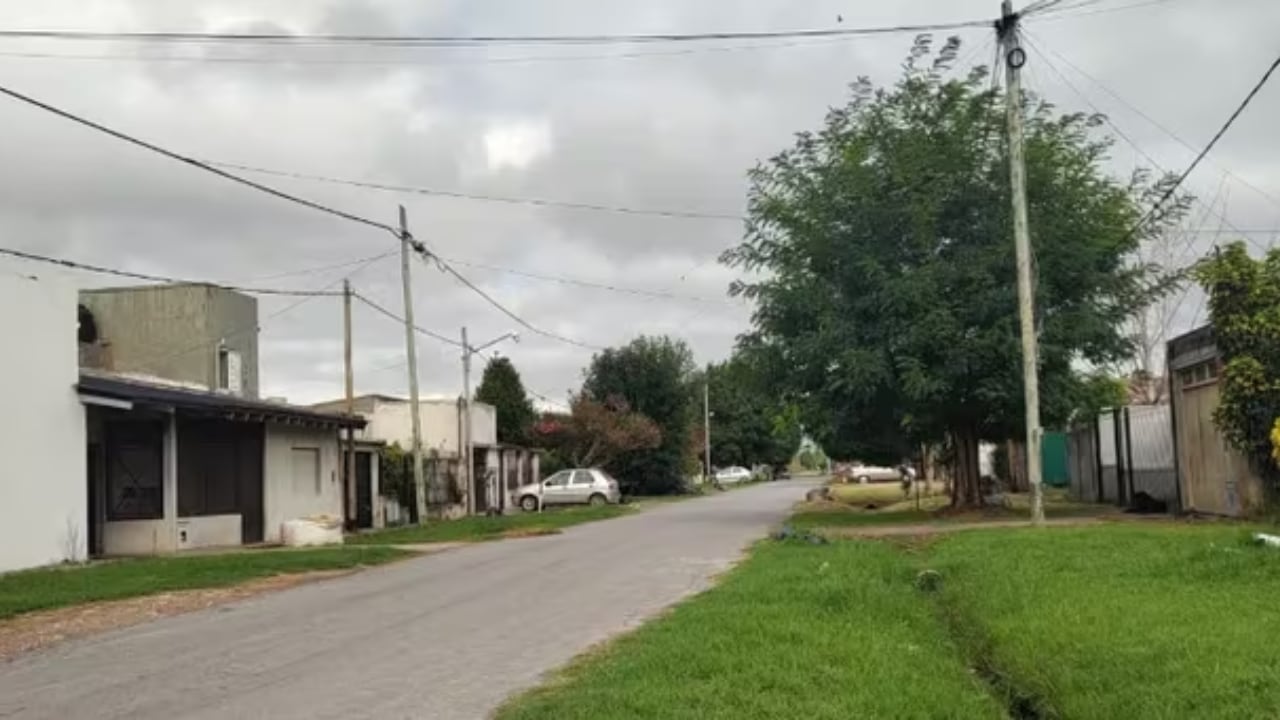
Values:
[(207, 403)]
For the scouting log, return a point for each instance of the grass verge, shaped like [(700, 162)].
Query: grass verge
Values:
[(1123, 620), (47, 588), (479, 528), (935, 511), (797, 630)]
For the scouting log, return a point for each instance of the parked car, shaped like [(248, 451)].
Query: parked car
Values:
[(860, 473), (730, 475), (577, 486)]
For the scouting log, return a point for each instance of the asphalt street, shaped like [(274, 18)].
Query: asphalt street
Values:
[(443, 636)]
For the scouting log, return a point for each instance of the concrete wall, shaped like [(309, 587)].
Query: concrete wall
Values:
[(44, 485), (137, 537), (173, 331), (208, 531), (283, 498), (390, 421)]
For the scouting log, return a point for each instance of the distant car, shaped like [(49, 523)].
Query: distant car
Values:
[(578, 486), (871, 473), (732, 475)]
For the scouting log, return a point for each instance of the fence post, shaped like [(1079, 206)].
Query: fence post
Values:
[(1097, 456), (1118, 432), (1128, 450)]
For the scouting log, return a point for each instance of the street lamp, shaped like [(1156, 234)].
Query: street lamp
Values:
[(467, 351)]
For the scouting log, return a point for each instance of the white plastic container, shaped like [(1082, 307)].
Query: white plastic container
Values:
[(312, 531)]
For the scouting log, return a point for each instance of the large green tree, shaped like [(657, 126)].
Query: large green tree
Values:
[(500, 386), (1244, 306), (751, 423), (652, 374), (880, 257)]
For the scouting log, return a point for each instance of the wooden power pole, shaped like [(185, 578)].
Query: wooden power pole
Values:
[(419, 484), (1014, 58), (468, 464), (706, 425), (353, 512)]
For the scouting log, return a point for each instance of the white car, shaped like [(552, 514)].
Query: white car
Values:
[(871, 473), (579, 486), (730, 475)]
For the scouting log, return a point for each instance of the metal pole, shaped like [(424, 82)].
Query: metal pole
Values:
[(353, 513), (706, 426), (467, 461), (1015, 57), (411, 349)]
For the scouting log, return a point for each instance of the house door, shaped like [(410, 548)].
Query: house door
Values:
[(364, 489)]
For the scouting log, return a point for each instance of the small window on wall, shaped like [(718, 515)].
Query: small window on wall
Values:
[(1199, 373), (306, 470), (229, 370)]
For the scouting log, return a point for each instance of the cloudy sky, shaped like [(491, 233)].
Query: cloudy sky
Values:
[(651, 127)]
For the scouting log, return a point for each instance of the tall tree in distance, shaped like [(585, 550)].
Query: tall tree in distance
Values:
[(500, 386), (879, 255), (652, 375)]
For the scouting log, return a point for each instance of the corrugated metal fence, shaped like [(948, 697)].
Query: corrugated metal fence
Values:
[(1123, 453)]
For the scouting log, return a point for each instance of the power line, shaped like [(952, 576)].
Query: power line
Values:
[(1035, 46), (198, 164), (471, 40), (429, 333), (588, 284), (542, 202), (1066, 12), (76, 265), (446, 267), (1140, 113), (325, 268), (1213, 141), (402, 61)]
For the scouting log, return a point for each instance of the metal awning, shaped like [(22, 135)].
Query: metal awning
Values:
[(124, 393)]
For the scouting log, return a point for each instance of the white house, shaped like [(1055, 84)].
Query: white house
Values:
[(43, 506), (103, 461), (389, 420)]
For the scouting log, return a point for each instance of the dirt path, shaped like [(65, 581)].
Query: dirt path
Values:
[(874, 531), (42, 628)]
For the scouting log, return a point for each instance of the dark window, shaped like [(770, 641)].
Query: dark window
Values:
[(88, 330), (582, 477), (135, 470), (559, 479)]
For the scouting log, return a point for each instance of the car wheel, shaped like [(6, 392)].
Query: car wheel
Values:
[(597, 500), (529, 503), (863, 479)]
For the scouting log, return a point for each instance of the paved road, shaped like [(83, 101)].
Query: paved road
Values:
[(442, 637)]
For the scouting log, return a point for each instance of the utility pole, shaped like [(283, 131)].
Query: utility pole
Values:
[(706, 424), (1014, 58), (411, 349), (467, 462), (353, 513)]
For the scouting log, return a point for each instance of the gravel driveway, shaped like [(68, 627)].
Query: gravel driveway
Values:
[(442, 637)]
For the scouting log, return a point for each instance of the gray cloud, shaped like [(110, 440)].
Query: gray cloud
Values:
[(676, 130)]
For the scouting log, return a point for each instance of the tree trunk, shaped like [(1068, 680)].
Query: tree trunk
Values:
[(966, 486)]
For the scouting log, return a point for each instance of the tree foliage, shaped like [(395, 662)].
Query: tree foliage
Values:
[(880, 257), (1244, 306), (500, 386), (652, 375), (751, 424), (595, 434)]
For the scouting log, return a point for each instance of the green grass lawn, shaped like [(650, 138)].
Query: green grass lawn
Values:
[(474, 529), (46, 588), (1123, 620), (797, 631)]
